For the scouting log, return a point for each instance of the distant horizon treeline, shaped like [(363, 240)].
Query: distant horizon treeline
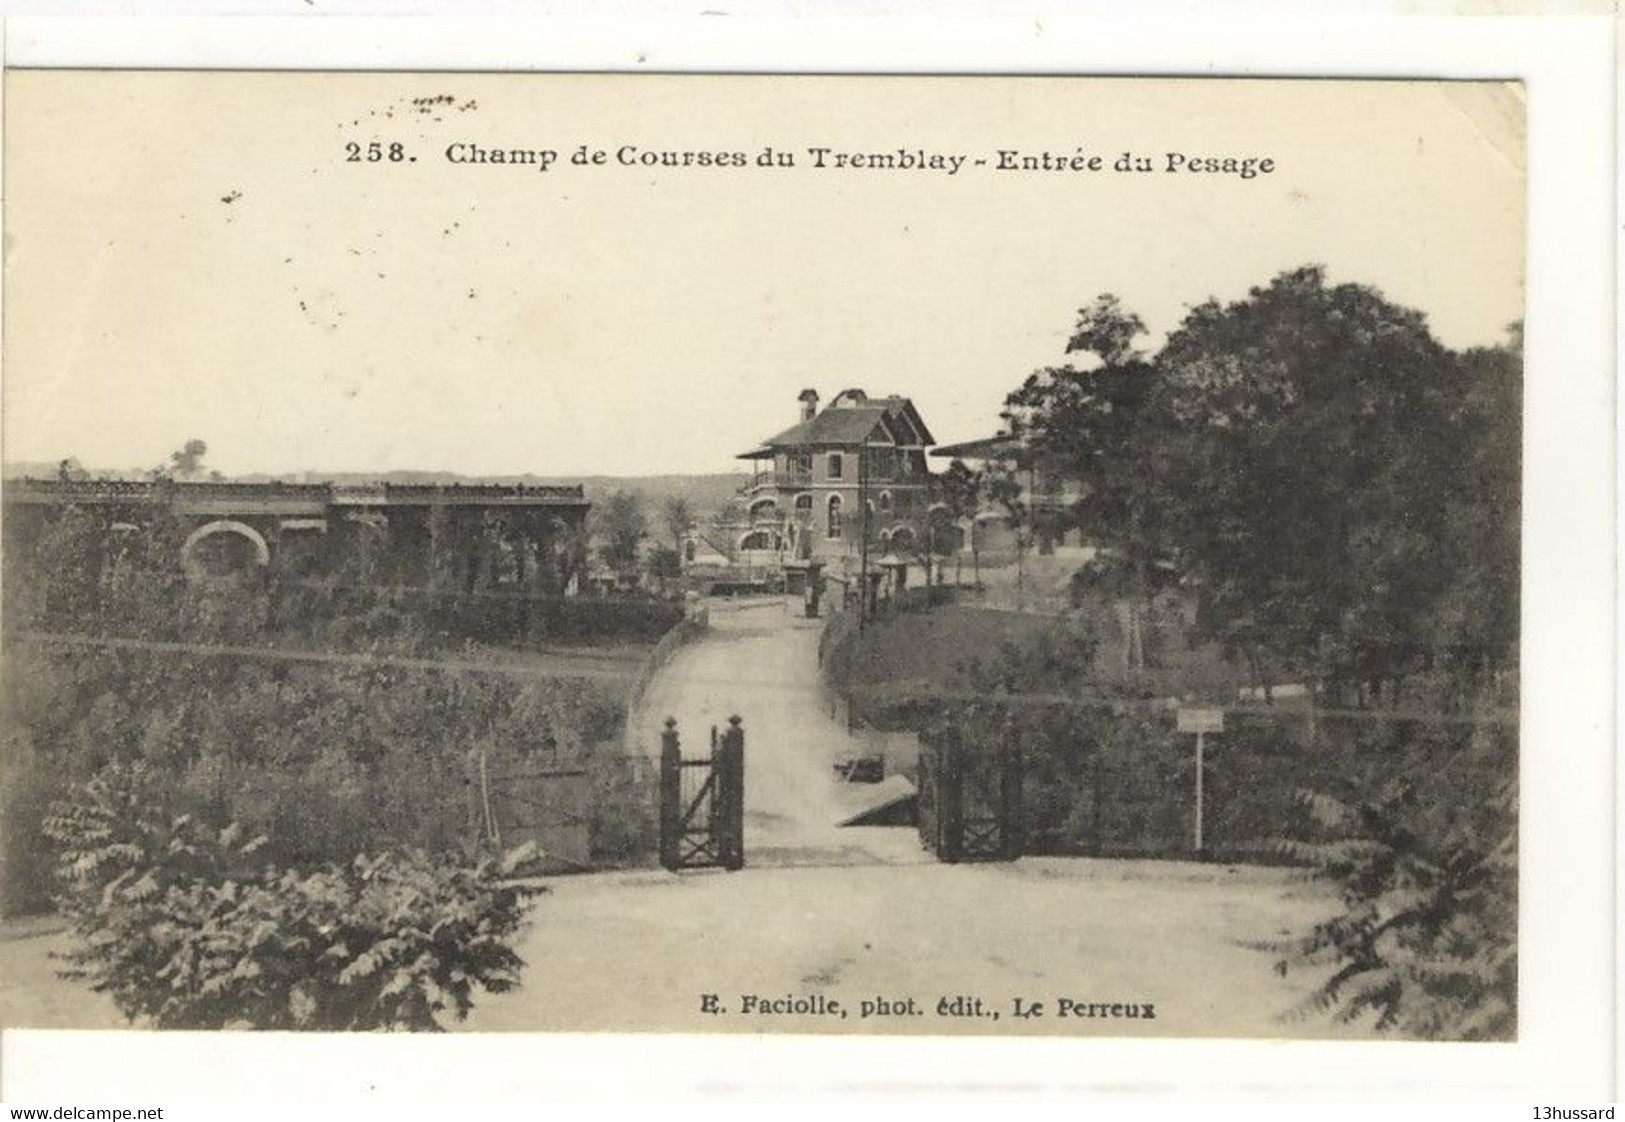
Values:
[(689, 481), (703, 494)]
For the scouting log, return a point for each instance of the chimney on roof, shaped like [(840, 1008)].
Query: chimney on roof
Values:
[(809, 404)]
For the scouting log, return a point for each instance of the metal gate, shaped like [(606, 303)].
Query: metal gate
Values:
[(702, 801), (970, 797)]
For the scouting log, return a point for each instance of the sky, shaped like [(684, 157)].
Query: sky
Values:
[(192, 255)]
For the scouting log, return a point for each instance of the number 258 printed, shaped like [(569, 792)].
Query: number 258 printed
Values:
[(374, 153)]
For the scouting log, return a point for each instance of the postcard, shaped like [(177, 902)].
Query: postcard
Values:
[(850, 555)]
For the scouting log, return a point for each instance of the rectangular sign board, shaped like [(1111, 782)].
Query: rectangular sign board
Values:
[(1201, 720)]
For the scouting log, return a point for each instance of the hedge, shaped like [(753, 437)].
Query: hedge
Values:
[(1119, 780)]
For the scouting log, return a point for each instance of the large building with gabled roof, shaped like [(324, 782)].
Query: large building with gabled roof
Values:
[(859, 463)]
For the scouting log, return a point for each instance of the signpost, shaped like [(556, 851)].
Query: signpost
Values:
[(1201, 722)]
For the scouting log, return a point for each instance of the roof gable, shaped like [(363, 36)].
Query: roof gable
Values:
[(894, 419), (907, 412), (843, 424)]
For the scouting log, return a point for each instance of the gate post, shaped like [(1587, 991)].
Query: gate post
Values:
[(671, 794), (1012, 827), (928, 794), (950, 798), (729, 760)]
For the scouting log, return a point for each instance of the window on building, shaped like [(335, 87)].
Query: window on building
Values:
[(804, 504), (759, 540), (832, 529), (885, 501), (835, 465)]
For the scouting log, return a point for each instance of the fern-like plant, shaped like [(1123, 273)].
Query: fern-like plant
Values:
[(185, 927), (1425, 943)]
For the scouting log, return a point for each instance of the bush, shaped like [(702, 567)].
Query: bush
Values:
[(327, 761), (187, 926), (1118, 779), (624, 828), (1426, 941), (69, 582), (1110, 775)]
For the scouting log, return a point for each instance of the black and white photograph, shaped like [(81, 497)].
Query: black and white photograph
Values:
[(762, 554)]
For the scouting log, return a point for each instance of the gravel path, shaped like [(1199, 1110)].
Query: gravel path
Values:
[(760, 661), (824, 915)]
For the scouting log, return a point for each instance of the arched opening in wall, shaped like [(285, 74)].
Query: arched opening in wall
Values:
[(764, 508), (804, 503), (885, 501), (902, 538), (689, 551), (224, 549), (832, 526)]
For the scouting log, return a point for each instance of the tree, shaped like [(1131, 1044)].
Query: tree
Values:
[(620, 527), (1315, 434), (1004, 490), (184, 463), (934, 539), (1476, 622), (57, 587), (678, 515), (960, 489), (1106, 330), (1099, 429), (571, 542), (665, 563)]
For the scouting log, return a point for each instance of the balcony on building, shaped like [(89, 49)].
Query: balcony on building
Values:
[(770, 472)]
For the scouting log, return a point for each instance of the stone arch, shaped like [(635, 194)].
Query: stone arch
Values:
[(262, 551)]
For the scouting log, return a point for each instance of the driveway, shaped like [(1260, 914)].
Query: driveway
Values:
[(826, 923), (759, 661)]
